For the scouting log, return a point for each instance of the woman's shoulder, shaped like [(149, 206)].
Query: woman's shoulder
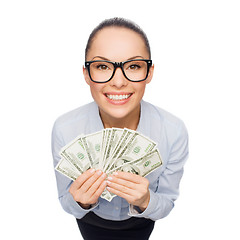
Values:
[(79, 114), (161, 115), (164, 125)]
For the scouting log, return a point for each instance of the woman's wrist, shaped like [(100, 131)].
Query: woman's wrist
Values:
[(84, 206)]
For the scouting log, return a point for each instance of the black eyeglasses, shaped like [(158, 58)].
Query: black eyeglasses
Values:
[(103, 71)]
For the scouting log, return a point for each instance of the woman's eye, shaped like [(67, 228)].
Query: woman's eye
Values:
[(134, 67), (102, 67)]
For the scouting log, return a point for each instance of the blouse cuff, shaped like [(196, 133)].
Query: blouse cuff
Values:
[(135, 211), (77, 210)]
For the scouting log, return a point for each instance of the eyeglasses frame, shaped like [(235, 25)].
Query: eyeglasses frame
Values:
[(120, 65)]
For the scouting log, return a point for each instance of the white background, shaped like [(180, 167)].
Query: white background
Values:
[(195, 49)]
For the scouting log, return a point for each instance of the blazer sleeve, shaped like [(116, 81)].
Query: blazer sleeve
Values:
[(64, 183), (162, 200)]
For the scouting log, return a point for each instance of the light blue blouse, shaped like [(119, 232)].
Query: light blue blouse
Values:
[(166, 130)]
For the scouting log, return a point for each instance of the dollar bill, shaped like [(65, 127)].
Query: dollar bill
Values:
[(107, 195), (93, 144), (136, 147), (126, 135), (142, 166), (112, 149), (105, 146), (115, 136), (67, 169), (76, 154)]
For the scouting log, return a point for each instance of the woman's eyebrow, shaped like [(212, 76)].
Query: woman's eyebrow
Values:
[(106, 59), (103, 58), (135, 57)]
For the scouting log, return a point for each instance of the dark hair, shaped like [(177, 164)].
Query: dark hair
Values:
[(118, 22)]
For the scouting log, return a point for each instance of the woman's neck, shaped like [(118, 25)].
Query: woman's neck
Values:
[(130, 121)]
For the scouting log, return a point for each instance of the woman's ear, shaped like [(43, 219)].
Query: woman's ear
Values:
[(86, 75), (150, 74)]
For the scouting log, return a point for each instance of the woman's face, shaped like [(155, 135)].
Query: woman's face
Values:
[(117, 45)]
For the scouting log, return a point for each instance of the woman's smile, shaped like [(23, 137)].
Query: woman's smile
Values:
[(118, 98)]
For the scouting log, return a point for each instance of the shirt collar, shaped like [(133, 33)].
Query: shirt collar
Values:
[(95, 121), (144, 126)]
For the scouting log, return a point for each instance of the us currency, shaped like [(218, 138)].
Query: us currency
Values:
[(105, 145), (76, 154), (126, 135), (142, 166), (115, 135), (93, 144), (67, 169), (136, 147), (111, 149), (115, 139), (107, 195)]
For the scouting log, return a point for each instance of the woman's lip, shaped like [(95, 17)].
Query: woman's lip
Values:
[(117, 93), (118, 98)]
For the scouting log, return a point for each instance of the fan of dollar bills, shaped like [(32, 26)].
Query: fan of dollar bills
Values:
[(110, 150)]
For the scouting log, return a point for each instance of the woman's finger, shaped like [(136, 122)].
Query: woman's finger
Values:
[(128, 176), (121, 181), (82, 179), (90, 181), (95, 186), (99, 191), (121, 188), (119, 193)]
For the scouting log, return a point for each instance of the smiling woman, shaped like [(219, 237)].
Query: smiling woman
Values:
[(126, 47), (117, 69)]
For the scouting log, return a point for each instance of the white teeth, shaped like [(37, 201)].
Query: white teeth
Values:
[(118, 97)]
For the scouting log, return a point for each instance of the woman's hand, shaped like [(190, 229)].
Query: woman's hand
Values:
[(132, 187), (88, 187)]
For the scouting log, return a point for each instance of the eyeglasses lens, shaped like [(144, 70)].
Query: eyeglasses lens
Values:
[(102, 71)]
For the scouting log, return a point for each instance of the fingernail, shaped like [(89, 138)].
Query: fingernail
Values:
[(110, 178), (115, 173), (108, 182), (99, 172), (92, 170), (104, 175)]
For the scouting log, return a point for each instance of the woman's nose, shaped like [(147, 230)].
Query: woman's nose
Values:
[(119, 79)]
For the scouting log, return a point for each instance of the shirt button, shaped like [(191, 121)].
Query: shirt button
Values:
[(116, 208)]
